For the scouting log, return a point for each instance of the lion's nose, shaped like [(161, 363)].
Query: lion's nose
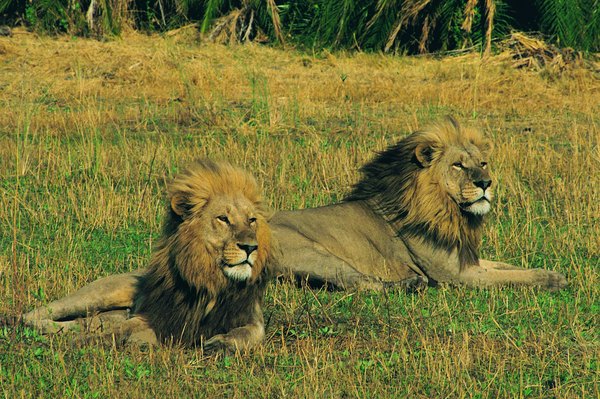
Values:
[(248, 248), (483, 184)]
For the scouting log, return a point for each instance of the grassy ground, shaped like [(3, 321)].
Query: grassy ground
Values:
[(89, 132)]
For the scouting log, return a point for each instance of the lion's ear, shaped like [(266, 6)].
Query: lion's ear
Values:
[(180, 204), (425, 154)]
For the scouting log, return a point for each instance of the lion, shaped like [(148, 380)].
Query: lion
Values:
[(415, 218), (206, 278)]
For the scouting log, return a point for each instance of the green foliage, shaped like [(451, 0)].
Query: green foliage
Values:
[(372, 25), (572, 23), (210, 13), (69, 16), (389, 25), (56, 16)]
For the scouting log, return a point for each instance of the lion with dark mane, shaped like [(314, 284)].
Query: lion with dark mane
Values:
[(415, 216), (207, 275), (417, 213)]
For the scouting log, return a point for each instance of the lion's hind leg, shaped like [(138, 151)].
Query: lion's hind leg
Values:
[(106, 294), (137, 331), (93, 324), (107, 327)]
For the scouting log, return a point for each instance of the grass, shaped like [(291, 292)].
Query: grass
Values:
[(89, 132)]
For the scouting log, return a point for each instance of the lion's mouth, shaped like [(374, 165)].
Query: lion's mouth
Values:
[(481, 199), (240, 271), (244, 262), (480, 206)]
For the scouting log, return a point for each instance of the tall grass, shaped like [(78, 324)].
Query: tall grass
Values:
[(89, 131)]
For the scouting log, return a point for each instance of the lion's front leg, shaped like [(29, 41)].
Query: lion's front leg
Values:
[(240, 338), (105, 294), (490, 273)]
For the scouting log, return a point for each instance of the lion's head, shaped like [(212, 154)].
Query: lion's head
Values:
[(216, 227), (434, 182)]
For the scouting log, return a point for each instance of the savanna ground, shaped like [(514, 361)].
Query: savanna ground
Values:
[(89, 131)]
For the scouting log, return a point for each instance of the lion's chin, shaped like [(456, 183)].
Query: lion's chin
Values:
[(240, 272), (479, 207)]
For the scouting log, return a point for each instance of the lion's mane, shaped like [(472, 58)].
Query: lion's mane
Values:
[(184, 295), (408, 194)]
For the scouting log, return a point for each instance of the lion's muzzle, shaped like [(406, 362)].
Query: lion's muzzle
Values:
[(239, 256), (483, 183), (248, 248)]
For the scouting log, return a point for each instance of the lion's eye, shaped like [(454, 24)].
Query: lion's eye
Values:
[(458, 166), (224, 219), (252, 220), (483, 165)]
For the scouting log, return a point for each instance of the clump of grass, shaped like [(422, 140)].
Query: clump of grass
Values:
[(90, 131)]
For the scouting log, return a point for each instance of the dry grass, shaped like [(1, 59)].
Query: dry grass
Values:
[(90, 130)]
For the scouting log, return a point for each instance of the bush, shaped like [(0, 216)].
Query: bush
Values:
[(413, 26)]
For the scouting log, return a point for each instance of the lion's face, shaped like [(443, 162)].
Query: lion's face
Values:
[(231, 230), (466, 178), (455, 161)]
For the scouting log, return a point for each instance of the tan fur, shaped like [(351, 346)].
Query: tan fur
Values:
[(186, 296)]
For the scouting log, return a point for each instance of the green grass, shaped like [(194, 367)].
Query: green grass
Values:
[(89, 132), (494, 343)]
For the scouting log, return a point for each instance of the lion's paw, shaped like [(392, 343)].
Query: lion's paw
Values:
[(557, 281), (552, 280), (216, 343)]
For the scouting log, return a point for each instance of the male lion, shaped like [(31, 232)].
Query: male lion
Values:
[(417, 212), (207, 276), (416, 215)]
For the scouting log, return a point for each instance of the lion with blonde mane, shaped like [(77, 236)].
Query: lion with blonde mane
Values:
[(415, 216), (206, 279)]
